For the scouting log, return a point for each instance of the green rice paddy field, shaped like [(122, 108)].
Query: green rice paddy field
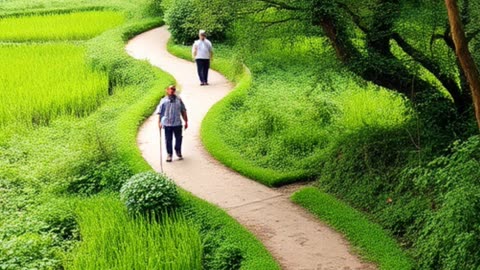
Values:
[(39, 82), (70, 26)]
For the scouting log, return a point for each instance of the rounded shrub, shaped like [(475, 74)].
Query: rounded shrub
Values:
[(176, 16), (186, 17), (149, 191)]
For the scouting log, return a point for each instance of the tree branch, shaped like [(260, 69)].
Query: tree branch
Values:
[(447, 81), (281, 5), (355, 18)]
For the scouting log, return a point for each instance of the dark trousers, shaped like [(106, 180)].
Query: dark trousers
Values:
[(169, 133), (203, 65)]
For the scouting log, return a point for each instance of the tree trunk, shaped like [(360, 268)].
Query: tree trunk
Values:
[(463, 54)]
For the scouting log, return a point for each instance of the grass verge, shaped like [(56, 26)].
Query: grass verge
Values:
[(224, 237), (368, 238)]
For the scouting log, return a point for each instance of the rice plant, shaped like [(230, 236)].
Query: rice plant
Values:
[(39, 82), (113, 239), (70, 26)]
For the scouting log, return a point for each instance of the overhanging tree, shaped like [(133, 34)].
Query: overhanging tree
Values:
[(341, 20)]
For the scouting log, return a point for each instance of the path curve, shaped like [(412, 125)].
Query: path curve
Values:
[(295, 238)]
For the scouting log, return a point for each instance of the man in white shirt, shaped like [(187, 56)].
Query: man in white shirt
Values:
[(202, 52)]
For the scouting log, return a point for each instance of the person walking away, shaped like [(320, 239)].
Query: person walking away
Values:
[(170, 110), (202, 52)]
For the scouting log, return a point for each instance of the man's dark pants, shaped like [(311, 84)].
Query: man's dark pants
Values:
[(169, 133), (203, 65)]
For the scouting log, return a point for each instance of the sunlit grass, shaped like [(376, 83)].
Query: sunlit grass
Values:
[(71, 26), (113, 239), (370, 108), (39, 82)]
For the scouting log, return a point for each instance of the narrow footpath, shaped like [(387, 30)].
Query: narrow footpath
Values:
[(295, 238)]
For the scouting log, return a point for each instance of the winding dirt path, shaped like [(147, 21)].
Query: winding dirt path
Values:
[(294, 237)]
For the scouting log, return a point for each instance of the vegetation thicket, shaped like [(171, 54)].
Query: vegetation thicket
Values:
[(49, 172), (369, 99)]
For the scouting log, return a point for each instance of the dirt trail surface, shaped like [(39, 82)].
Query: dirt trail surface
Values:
[(295, 238)]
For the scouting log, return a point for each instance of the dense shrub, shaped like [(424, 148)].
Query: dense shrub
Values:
[(176, 17), (149, 191), (153, 8), (451, 232), (431, 208), (186, 17), (361, 166)]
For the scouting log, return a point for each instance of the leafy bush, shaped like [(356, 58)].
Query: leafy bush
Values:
[(451, 232), (34, 232), (227, 258), (175, 16), (186, 17), (92, 177), (153, 8), (149, 191)]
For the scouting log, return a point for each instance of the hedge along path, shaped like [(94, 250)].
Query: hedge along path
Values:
[(293, 236)]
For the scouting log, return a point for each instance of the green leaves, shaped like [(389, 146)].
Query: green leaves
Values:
[(149, 191), (186, 17)]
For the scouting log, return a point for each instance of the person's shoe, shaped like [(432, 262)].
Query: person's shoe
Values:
[(202, 84), (179, 155), (169, 158), (207, 83)]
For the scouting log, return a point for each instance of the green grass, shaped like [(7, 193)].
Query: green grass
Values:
[(113, 239), (220, 231), (93, 153), (212, 139), (280, 121), (369, 238), (69, 26), (40, 82)]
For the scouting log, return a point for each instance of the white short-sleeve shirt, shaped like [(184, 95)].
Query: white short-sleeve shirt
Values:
[(204, 49)]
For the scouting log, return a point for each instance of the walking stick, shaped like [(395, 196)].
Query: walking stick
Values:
[(161, 150)]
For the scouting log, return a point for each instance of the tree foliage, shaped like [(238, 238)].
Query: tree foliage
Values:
[(186, 17), (382, 41)]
